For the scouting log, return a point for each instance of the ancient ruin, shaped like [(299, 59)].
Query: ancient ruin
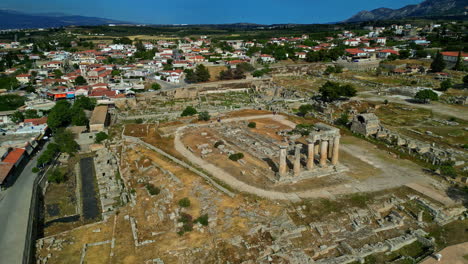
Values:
[(322, 147)]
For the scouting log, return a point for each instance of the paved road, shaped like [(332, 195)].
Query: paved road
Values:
[(14, 214)]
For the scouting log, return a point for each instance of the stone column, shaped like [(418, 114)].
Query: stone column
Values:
[(330, 148), (323, 153), (310, 155), (283, 167), (336, 150), (297, 160), (317, 147)]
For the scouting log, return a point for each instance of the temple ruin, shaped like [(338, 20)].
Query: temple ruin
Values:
[(321, 155)]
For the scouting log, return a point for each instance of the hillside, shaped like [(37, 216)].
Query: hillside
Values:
[(424, 9)]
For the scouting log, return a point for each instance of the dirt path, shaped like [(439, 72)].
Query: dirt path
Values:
[(431, 192), (438, 108), (451, 255)]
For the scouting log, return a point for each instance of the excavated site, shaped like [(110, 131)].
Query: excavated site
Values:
[(316, 197)]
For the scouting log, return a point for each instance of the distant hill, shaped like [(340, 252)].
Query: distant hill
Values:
[(427, 8), (11, 19)]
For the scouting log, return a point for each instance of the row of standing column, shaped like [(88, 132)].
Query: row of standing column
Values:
[(328, 149)]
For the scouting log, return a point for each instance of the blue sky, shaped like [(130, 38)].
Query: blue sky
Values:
[(208, 11)]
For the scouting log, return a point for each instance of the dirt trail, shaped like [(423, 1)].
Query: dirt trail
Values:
[(438, 108)]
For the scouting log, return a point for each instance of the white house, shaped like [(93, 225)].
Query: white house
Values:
[(23, 78), (267, 58)]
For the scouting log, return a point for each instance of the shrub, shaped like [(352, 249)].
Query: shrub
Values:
[(156, 86), (252, 125), (188, 223), (139, 121), (152, 190), (343, 120), (35, 170), (204, 116), (184, 202), (185, 218), (101, 136), (304, 109), (218, 143), (448, 170), (203, 220), (426, 96), (189, 111), (236, 156), (56, 176), (445, 85)]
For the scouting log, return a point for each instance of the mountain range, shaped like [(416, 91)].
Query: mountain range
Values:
[(427, 8), (12, 19)]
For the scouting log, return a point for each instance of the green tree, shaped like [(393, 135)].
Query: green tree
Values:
[(252, 125), (343, 120), (8, 82), (204, 116), (189, 111), (10, 102), (202, 74), (304, 109), (184, 202), (155, 86), (31, 113), (421, 54), (124, 40), (80, 80), (332, 91), (79, 117), (459, 65), (438, 64), (445, 85), (85, 103), (404, 54), (448, 170), (236, 156), (66, 141), (426, 96), (56, 176), (58, 74), (60, 115), (116, 72), (17, 117), (101, 136)]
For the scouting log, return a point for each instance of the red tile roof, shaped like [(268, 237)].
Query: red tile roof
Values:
[(36, 121), (454, 54), (5, 169), (14, 155)]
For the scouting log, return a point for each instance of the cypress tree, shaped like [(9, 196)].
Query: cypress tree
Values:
[(438, 64)]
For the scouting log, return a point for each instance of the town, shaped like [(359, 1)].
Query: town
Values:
[(342, 145)]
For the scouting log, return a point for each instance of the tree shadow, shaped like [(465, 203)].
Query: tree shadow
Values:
[(459, 194)]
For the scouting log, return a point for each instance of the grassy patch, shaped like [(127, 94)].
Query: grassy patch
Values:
[(450, 234)]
